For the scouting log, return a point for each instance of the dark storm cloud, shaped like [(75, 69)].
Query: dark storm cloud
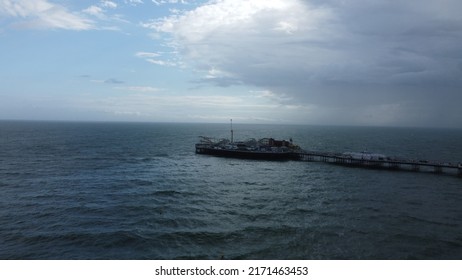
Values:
[(349, 57)]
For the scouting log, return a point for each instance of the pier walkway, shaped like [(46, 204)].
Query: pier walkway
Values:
[(382, 163)]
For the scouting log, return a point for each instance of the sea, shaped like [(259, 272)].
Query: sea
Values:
[(107, 190)]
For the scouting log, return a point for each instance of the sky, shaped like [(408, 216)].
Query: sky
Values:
[(320, 62)]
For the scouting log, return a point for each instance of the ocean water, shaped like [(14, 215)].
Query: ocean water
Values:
[(73, 190)]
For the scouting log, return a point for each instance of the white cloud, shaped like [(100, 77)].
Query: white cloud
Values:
[(134, 2), (279, 98), (162, 2), (41, 14), (154, 58), (161, 62), (108, 4), (139, 89), (146, 54), (95, 11), (227, 35), (100, 11), (247, 36)]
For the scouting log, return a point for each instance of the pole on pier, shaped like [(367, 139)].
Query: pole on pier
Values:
[(232, 132)]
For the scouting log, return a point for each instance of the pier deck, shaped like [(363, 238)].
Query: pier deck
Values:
[(385, 163)]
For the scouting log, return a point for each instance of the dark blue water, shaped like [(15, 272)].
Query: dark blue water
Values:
[(138, 191)]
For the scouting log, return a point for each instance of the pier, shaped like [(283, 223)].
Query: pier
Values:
[(382, 163), (271, 149)]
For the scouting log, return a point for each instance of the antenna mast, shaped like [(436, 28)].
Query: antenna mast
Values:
[(232, 132)]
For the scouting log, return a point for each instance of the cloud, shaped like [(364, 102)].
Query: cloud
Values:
[(146, 54), (278, 98), (154, 58), (161, 62), (113, 81), (167, 106), (139, 89), (134, 2), (349, 57), (218, 78), (95, 11), (163, 2), (100, 11), (41, 14), (108, 4)]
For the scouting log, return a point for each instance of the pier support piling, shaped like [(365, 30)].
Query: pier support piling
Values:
[(438, 169)]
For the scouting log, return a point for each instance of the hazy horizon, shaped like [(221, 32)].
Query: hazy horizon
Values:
[(226, 125)]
